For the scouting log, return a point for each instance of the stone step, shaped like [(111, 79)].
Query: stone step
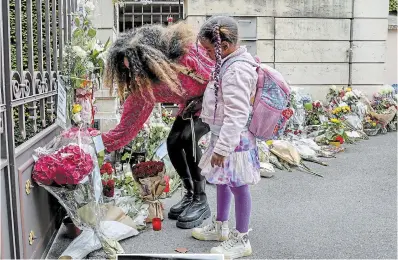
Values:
[(104, 93), (106, 115), (107, 124), (106, 105)]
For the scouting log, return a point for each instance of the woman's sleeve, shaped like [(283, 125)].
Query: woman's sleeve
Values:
[(236, 91), (136, 111)]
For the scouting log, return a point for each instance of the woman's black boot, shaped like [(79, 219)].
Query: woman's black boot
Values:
[(178, 208)]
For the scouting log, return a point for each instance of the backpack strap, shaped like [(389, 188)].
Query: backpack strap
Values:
[(232, 60)]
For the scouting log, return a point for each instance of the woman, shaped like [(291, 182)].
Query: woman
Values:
[(157, 64)]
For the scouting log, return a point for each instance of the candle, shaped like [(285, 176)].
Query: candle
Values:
[(157, 224)]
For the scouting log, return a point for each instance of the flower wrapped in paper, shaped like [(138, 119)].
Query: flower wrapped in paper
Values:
[(150, 175), (68, 168)]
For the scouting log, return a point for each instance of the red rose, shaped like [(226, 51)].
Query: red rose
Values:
[(110, 193), (60, 176), (107, 168), (339, 139), (111, 183), (103, 183)]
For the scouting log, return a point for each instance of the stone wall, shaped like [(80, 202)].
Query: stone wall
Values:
[(392, 54), (310, 41)]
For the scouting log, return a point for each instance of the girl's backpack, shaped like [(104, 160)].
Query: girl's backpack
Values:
[(270, 106)]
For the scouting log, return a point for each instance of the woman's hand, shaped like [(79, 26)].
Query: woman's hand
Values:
[(217, 160)]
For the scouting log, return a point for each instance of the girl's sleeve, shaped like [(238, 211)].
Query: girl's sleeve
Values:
[(237, 85), (136, 111)]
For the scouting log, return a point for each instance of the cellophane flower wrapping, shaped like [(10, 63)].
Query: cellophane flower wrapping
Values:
[(150, 176), (68, 168)]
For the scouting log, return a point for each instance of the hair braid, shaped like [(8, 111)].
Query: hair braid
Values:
[(217, 68)]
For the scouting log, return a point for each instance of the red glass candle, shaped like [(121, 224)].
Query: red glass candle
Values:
[(157, 224)]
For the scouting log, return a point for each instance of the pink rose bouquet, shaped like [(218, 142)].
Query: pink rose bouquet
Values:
[(67, 166)]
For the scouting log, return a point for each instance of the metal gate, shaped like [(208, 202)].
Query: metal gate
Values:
[(33, 35), (135, 14)]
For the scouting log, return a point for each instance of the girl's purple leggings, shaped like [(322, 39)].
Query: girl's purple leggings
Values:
[(243, 205)]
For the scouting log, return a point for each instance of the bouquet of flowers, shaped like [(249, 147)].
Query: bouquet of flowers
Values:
[(296, 123), (150, 176), (371, 126), (315, 113), (341, 110), (108, 183), (333, 133), (68, 168), (167, 117)]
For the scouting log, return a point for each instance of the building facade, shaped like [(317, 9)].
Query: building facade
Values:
[(314, 44)]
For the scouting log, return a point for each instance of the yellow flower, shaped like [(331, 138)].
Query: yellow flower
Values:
[(348, 108), (334, 120), (348, 89), (373, 124), (269, 142), (76, 108), (338, 109)]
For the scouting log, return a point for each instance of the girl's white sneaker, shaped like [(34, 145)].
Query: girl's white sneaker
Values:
[(215, 231), (237, 245)]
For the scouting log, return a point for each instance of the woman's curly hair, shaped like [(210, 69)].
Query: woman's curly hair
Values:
[(152, 52)]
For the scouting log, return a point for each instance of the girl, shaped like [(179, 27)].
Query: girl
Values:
[(158, 64), (231, 161)]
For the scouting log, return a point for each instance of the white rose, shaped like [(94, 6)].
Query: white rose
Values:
[(334, 88), (79, 51), (77, 118), (357, 92), (90, 66), (89, 6), (345, 98)]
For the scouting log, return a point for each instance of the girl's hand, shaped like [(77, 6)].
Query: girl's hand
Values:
[(217, 160)]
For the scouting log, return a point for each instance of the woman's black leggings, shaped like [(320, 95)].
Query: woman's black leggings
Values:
[(180, 147)]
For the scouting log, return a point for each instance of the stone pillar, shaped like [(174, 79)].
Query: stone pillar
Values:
[(104, 20)]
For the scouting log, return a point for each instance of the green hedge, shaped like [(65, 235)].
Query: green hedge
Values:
[(393, 5), (29, 126), (24, 22)]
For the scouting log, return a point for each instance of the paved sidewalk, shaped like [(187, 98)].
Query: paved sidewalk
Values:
[(350, 213)]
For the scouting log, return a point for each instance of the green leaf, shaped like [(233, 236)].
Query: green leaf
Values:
[(308, 106), (77, 21), (125, 156), (95, 54), (92, 33), (77, 33), (107, 44)]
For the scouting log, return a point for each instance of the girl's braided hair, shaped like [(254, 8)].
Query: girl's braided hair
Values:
[(216, 30), (152, 52)]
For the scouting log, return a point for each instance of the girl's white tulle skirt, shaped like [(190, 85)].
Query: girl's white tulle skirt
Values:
[(240, 168)]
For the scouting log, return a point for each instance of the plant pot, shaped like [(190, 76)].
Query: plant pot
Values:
[(336, 144), (71, 230)]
